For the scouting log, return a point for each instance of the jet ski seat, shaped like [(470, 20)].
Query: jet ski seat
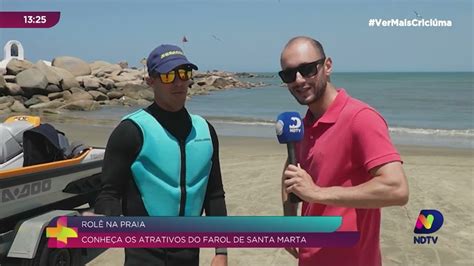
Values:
[(11, 138)]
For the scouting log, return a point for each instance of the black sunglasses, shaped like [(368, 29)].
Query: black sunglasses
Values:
[(306, 70)]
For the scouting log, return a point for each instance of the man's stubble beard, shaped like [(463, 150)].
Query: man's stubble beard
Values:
[(318, 91)]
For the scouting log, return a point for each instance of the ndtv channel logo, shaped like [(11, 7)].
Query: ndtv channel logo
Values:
[(428, 222)]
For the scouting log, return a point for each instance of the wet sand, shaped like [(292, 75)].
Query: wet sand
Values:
[(439, 178)]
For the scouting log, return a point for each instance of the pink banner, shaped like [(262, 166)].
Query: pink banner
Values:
[(203, 240), (29, 19)]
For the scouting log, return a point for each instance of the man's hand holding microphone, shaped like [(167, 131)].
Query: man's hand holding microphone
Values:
[(297, 184)]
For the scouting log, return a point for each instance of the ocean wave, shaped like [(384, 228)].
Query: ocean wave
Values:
[(437, 132), (245, 121), (241, 121)]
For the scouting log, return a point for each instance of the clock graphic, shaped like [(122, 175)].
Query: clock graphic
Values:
[(29, 19)]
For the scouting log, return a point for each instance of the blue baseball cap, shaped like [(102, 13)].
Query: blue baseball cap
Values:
[(165, 58)]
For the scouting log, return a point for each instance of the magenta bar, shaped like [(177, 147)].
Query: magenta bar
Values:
[(206, 240), (27, 19)]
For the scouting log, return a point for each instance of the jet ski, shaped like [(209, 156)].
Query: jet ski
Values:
[(40, 171)]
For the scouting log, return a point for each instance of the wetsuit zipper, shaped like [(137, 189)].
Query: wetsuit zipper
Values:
[(182, 182)]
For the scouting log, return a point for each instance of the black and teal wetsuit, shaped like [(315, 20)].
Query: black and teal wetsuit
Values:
[(184, 161)]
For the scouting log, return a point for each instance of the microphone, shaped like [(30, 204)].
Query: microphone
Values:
[(289, 130)]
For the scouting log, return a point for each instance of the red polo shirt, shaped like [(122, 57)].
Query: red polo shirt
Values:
[(339, 149)]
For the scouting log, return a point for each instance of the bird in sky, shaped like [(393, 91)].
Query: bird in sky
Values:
[(216, 38), (417, 15)]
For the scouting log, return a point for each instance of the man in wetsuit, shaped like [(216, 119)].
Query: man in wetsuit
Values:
[(163, 161)]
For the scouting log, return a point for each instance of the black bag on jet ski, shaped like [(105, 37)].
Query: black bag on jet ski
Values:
[(44, 144)]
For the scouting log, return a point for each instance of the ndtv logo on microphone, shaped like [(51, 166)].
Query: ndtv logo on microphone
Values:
[(428, 222), (296, 127)]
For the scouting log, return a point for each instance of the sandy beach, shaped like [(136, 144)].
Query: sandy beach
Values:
[(439, 178)]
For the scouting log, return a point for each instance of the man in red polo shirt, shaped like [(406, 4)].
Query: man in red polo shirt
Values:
[(348, 165)]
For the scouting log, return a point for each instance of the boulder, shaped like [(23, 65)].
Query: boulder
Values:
[(96, 65), (81, 105), (5, 111), (138, 92), (14, 89), (67, 78), (80, 80), (20, 98), (67, 95), (32, 79), (91, 83), (77, 94), (107, 83), (103, 90), (48, 105), (98, 96), (123, 64), (16, 66), (223, 83), (3, 83), (6, 105), (53, 88), (36, 99), (115, 94), (75, 65), (18, 107), (107, 70), (114, 102), (198, 90), (130, 82), (206, 81), (116, 73), (51, 76), (29, 92), (50, 111), (10, 78), (127, 101), (135, 74), (55, 95), (123, 77)]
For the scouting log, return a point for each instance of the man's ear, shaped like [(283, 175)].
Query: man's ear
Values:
[(328, 66)]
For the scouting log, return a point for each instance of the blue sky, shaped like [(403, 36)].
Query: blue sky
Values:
[(252, 33)]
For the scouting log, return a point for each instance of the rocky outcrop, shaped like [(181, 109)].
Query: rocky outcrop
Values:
[(72, 84)]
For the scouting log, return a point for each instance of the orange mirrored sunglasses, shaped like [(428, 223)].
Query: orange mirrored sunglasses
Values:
[(183, 74)]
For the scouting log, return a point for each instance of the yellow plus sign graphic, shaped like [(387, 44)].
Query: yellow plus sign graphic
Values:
[(61, 232)]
